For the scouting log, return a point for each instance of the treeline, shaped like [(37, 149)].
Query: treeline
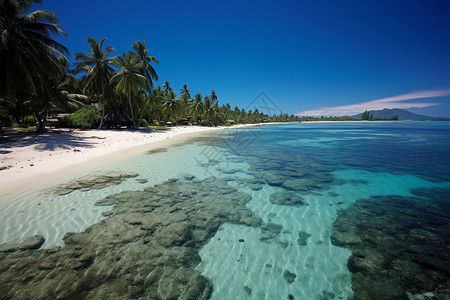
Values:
[(37, 83)]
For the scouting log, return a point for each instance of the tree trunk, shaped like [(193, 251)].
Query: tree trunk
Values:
[(40, 128), (131, 109), (103, 110), (103, 116)]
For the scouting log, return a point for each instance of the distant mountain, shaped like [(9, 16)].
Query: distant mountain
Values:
[(403, 115)]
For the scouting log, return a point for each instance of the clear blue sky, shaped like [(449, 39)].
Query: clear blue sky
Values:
[(302, 54)]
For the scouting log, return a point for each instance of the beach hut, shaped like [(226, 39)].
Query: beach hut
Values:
[(115, 118)]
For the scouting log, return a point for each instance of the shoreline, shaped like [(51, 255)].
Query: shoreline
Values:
[(32, 159)]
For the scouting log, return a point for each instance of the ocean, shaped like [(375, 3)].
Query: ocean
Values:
[(339, 210)]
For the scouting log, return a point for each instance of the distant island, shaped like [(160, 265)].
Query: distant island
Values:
[(403, 115), (395, 114)]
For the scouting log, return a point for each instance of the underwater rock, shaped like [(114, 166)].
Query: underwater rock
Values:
[(148, 248), (253, 183), (141, 180), (230, 171), (273, 180), (97, 181), (297, 185), (248, 290), (287, 198), (399, 245), (289, 276), (30, 243), (269, 231), (156, 150), (302, 239), (328, 295)]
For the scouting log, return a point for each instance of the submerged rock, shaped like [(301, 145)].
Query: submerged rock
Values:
[(399, 245), (253, 183), (298, 185), (269, 231), (146, 249), (31, 243), (157, 150), (98, 181), (273, 180), (287, 198), (289, 276), (248, 290), (302, 239)]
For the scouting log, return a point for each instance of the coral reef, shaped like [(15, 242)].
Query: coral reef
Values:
[(97, 181), (399, 245), (146, 249)]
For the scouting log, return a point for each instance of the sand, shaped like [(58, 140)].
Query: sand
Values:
[(31, 158)]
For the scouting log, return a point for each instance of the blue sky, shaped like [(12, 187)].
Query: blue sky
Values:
[(305, 55)]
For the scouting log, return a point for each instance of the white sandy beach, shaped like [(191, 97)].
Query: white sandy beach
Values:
[(31, 158)]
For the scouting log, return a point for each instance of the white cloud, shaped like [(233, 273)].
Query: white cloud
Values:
[(377, 104)]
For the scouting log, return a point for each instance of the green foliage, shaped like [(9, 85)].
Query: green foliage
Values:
[(144, 123), (27, 52), (86, 117)]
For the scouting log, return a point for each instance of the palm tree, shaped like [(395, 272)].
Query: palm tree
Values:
[(197, 106), (141, 52), (167, 87), (27, 51), (172, 107), (129, 79), (61, 91), (207, 110), (96, 65), (184, 91), (213, 96)]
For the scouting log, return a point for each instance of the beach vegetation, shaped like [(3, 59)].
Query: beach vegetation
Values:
[(38, 81), (97, 66), (86, 117), (129, 80), (28, 54)]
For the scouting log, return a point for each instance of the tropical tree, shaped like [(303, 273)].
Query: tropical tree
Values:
[(213, 96), (197, 106), (97, 66), (184, 92), (129, 79), (167, 87), (172, 108), (61, 92), (28, 53), (141, 52)]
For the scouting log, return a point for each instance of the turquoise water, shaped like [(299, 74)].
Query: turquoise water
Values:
[(295, 250)]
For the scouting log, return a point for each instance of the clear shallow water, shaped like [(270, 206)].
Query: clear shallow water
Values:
[(330, 165)]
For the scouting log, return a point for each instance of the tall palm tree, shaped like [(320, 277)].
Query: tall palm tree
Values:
[(184, 91), (213, 96), (96, 65), (27, 51), (172, 108), (197, 106), (141, 52), (167, 87), (208, 108), (61, 91), (129, 79)]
